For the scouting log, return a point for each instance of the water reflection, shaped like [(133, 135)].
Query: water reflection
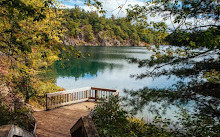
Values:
[(82, 68), (106, 67)]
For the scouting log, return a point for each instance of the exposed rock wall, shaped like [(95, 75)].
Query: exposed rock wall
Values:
[(100, 40)]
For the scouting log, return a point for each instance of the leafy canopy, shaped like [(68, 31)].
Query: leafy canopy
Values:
[(193, 60)]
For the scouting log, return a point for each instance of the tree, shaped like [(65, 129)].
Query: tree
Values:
[(31, 40), (196, 59), (88, 33), (135, 38), (159, 32)]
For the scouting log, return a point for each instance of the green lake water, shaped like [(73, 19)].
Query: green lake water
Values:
[(109, 67), (106, 67)]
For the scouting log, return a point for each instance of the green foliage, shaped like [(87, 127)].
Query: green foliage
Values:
[(88, 33), (145, 35), (198, 126), (135, 38), (98, 27), (193, 60), (31, 40), (112, 120), (212, 76), (208, 38), (159, 32), (20, 117), (121, 28), (26, 41)]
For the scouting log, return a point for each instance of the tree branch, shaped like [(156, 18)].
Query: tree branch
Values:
[(179, 60)]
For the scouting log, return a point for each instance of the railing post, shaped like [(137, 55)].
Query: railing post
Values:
[(67, 98), (46, 103), (116, 94), (96, 95), (87, 94)]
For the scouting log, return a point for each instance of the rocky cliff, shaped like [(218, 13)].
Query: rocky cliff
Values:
[(101, 40)]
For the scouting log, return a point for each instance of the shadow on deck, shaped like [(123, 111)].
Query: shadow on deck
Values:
[(58, 122)]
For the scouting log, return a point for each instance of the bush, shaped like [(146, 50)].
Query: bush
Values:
[(111, 120), (19, 116)]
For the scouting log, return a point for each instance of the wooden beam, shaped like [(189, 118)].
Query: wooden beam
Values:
[(68, 91), (104, 89), (96, 95), (84, 127)]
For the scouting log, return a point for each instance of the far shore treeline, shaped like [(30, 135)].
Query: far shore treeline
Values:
[(89, 28)]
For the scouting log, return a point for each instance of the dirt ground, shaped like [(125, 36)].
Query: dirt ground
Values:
[(58, 122)]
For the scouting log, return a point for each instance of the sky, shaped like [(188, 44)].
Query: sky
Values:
[(111, 6)]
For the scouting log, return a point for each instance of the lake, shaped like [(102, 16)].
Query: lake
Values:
[(106, 67), (109, 67)]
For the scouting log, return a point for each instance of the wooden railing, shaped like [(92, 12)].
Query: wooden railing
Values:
[(62, 98)]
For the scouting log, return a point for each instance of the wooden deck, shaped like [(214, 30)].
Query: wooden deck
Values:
[(58, 122), (59, 119)]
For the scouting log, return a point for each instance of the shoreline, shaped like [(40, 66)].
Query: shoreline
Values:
[(107, 46)]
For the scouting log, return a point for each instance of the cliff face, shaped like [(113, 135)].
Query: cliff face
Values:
[(101, 40)]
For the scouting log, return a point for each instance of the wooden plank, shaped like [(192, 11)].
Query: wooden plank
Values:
[(68, 91), (76, 126), (46, 102), (103, 89), (78, 90), (59, 98), (96, 98), (68, 103), (96, 95), (91, 91), (87, 94), (84, 127), (51, 103)]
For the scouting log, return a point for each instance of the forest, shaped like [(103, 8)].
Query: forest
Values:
[(88, 28)]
